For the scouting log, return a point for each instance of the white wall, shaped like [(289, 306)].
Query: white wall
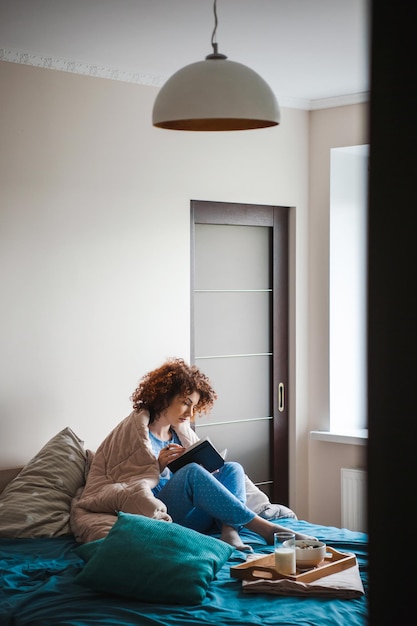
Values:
[(94, 249), (95, 261)]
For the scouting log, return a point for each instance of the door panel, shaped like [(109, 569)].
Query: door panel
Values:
[(239, 334), (231, 377), (246, 442), (238, 258), (232, 323)]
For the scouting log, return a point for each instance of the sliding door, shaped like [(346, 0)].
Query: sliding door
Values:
[(239, 333)]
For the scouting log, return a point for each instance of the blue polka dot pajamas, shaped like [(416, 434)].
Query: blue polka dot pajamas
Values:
[(196, 498)]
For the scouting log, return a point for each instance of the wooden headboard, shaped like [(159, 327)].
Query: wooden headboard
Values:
[(6, 475)]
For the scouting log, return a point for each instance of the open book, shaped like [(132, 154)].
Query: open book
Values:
[(202, 452)]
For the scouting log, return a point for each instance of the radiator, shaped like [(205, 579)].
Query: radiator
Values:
[(353, 490)]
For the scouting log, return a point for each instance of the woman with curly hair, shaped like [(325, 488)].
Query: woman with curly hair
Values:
[(130, 470)]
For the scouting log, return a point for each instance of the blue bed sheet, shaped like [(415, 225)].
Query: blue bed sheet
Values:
[(37, 588)]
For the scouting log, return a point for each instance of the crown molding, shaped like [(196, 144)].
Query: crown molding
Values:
[(156, 80), (339, 101), (294, 103), (86, 69)]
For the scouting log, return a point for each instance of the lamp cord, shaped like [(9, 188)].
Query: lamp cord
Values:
[(215, 55), (213, 35)]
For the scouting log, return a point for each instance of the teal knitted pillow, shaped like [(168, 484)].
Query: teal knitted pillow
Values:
[(87, 550), (153, 561)]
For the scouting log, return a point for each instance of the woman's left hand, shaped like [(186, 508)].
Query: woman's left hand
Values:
[(168, 454)]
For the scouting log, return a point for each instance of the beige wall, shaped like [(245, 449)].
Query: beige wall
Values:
[(329, 128), (94, 251)]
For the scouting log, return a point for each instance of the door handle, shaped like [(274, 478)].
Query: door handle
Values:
[(281, 397)]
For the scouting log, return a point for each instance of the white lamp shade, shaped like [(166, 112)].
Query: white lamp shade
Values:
[(215, 95)]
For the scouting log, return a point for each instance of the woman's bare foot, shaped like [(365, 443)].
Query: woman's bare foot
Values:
[(267, 529), (231, 536)]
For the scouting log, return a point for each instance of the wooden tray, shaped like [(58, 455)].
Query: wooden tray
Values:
[(264, 567)]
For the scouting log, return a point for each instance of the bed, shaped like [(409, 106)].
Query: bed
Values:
[(41, 564)]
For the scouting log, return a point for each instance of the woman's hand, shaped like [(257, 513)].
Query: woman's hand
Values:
[(168, 454)]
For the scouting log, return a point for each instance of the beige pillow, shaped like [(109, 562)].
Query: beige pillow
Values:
[(37, 502)]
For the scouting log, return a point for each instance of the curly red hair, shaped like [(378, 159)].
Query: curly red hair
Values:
[(157, 388)]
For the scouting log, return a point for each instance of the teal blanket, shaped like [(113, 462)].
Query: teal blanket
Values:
[(37, 588)]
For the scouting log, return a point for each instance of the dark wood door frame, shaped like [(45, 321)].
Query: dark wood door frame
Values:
[(277, 218)]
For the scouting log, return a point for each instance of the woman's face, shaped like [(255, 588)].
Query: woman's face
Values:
[(182, 408)]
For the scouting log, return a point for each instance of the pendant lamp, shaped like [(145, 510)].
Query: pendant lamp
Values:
[(215, 95)]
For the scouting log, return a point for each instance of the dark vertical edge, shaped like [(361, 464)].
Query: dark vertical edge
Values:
[(392, 312), (192, 281), (280, 325)]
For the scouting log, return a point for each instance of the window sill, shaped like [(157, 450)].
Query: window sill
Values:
[(355, 437)]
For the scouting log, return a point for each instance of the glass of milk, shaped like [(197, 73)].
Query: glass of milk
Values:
[(284, 544)]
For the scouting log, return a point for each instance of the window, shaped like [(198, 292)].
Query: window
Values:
[(348, 225)]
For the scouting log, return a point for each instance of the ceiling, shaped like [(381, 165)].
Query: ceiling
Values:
[(313, 53)]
